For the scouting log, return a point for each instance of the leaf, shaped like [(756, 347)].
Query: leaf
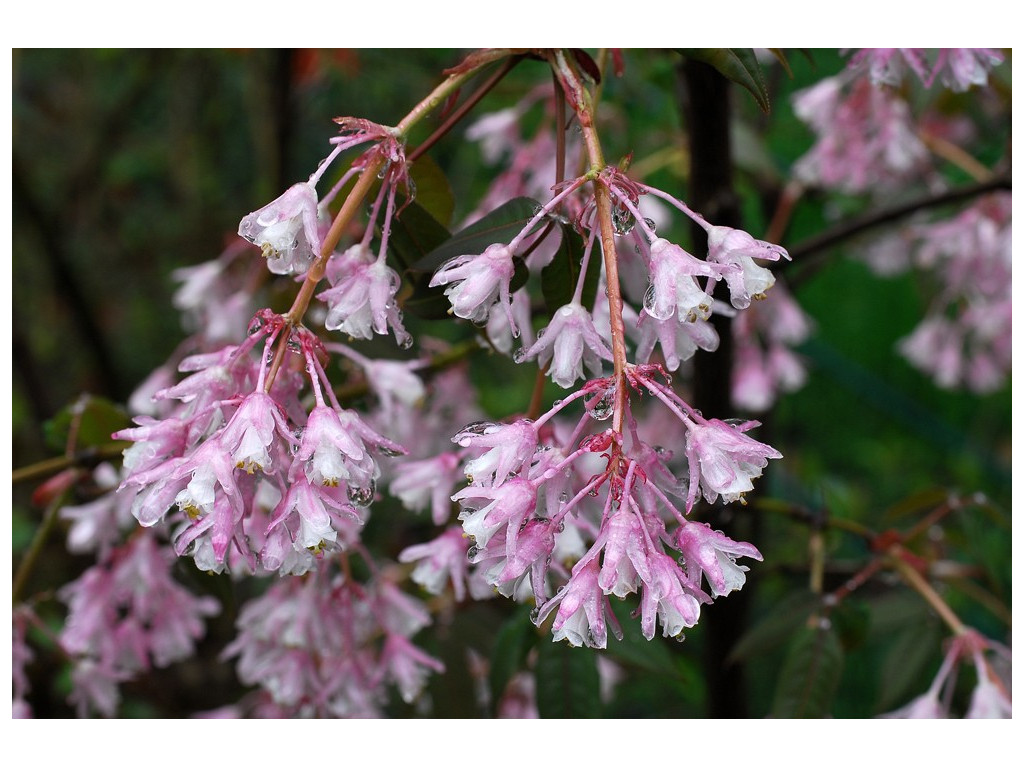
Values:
[(514, 641), (905, 662), (852, 620), (498, 226), (777, 627), (568, 685), (558, 279), (433, 192), (736, 64), (810, 675), (414, 233), (93, 420), (780, 56)]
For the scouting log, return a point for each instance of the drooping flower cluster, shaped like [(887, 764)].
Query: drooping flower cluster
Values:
[(867, 137), (246, 470), (592, 513), (126, 614), (328, 647), (964, 339)]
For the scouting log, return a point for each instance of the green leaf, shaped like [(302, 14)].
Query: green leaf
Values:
[(736, 64), (852, 619), (514, 641), (568, 685), (93, 420), (777, 627), (433, 192), (905, 664), (498, 226), (414, 233), (558, 279), (810, 675)]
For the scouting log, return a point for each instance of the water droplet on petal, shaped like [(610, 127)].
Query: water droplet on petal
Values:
[(362, 496), (519, 355)]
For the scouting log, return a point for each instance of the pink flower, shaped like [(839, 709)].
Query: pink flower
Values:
[(475, 282), (667, 597), (886, 65), (989, 699), (962, 68), (746, 280), (363, 302), (249, 435), (407, 666), (624, 555), (511, 503), (713, 554), (438, 562), (674, 289), (569, 341), (679, 339), (582, 608), (286, 230), (428, 482), (510, 446), (724, 461)]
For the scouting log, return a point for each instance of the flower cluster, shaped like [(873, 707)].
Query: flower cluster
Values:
[(328, 647), (245, 469), (593, 513), (125, 614)]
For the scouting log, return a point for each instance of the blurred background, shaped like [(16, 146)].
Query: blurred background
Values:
[(128, 165)]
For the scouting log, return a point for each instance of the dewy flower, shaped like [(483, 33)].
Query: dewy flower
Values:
[(674, 289), (582, 607), (723, 461), (713, 554), (568, 343), (509, 446), (363, 302), (475, 282), (286, 230), (747, 280)]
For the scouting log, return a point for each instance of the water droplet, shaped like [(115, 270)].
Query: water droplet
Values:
[(592, 492), (601, 408), (255, 326), (650, 224), (561, 527), (556, 403), (294, 345), (623, 221), (661, 450), (472, 552), (362, 497), (563, 497), (535, 614), (519, 355), (389, 452), (680, 637), (405, 342), (541, 332), (269, 357)]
